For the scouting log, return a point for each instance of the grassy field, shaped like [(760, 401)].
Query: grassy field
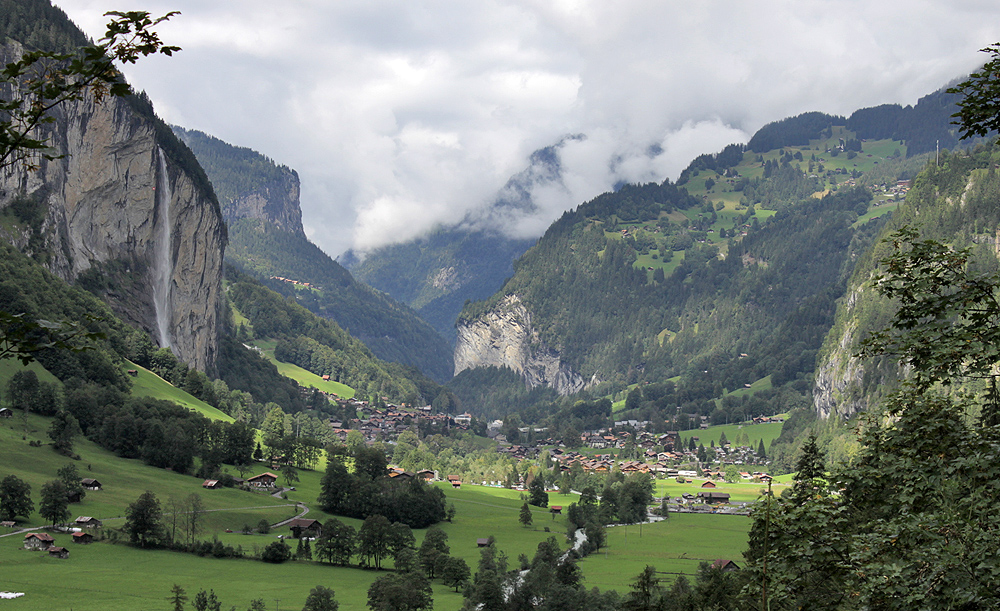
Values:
[(676, 545), (148, 384), (303, 377), (768, 432)]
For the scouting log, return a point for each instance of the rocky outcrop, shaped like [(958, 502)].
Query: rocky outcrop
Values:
[(103, 218), (248, 184), (277, 203), (504, 337)]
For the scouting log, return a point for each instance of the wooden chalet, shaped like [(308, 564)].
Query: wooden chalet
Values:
[(727, 566), (264, 480), (87, 522), (58, 552), (709, 485), (714, 497), (6, 413), (305, 527), (482, 542), (83, 537), (426, 474), (38, 541), (211, 484), (90, 483), (8, 524)]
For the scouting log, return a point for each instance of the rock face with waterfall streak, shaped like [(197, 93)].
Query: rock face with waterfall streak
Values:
[(102, 218), (504, 337)]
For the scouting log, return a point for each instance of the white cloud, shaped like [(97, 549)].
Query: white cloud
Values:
[(399, 116)]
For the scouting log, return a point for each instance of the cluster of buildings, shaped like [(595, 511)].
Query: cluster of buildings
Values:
[(386, 424), (295, 282)]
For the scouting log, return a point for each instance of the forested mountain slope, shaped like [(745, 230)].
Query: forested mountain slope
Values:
[(697, 289), (260, 201), (956, 202)]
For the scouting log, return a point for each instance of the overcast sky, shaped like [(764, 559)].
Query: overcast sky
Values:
[(400, 115)]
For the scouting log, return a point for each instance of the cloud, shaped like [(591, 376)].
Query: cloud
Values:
[(402, 116)]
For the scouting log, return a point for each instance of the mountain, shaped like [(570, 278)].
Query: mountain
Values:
[(260, 201), (125, 208), (953, 202), (437, 273), (687, 292)]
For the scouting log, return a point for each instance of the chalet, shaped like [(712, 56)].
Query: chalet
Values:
[(708, 485), (87, 522), (83, 538), (264, 480), (8, 524), (463, 419), (426, 474), (482, 542), (727, 566), (58, 552), (133, 372), (555, 509), (90, 483), (713, 497), (6, 413), (211, 484), (306, 527), (38, 541)]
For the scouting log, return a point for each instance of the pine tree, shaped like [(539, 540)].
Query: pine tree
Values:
[(525, 517)]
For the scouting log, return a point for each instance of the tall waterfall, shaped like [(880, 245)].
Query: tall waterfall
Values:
[(163, 261)]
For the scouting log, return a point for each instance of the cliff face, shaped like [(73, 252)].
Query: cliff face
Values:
[(248, 184), (277, 203), (109, 202), (504, 337)]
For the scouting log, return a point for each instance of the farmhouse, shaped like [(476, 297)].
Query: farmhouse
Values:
[(727, 566), (264, 480), (83, 538), (6, 413), (59, 552), (38, 541), (306, 527), (87, 522), (90, 483), (714, 497), (211, 484)]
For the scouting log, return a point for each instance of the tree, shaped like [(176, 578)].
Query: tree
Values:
[(321, 599), (337, 543), (373, 541), (55, 503), (15, 498), (63, 431), (896, 529), (177, 597), (646, 593), (143, 520), (276, 552), (536, 492), (525, 517), (195, 511), (400, 592), (70, 478), (455, 572), (206, 601), (432, 548), (979, 109)]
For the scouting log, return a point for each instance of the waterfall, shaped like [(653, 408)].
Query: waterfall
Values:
[(163, 263)]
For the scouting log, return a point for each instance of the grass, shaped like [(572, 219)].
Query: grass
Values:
[(148, 384), (676, 545), (756, 432), (302, 376)]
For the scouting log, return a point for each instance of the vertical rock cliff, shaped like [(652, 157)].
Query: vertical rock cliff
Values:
[(504, 337), (102, 219)]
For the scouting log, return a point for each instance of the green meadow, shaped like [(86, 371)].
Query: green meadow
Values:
[(304, 377), (147, 384), (674, 546)]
